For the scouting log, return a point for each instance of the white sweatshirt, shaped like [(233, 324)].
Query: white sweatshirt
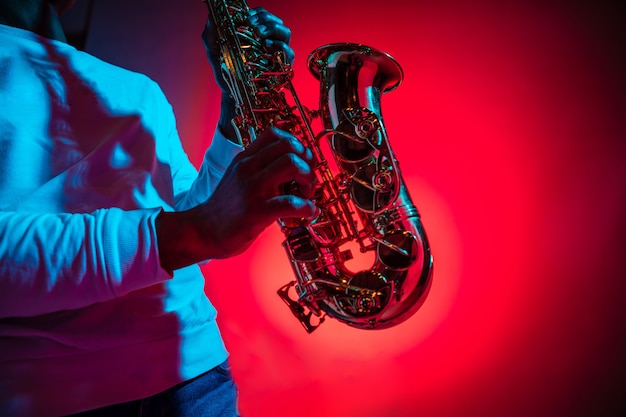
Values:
[(89, 155)]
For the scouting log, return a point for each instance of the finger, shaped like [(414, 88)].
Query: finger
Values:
[(259, 15), (273, 30), (270, 145), (291, 206), (269, 26), (274, 140), (285, 169), (275, 46)]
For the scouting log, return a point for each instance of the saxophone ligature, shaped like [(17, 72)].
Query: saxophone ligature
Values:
[(363, 201)]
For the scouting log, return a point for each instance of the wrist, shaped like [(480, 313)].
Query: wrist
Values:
[(227, 114), (180, 240)]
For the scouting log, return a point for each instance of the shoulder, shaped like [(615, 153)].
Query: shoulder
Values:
[(119, 88), (114, 76)]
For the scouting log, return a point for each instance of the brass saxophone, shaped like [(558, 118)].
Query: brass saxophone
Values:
[(361, 194)]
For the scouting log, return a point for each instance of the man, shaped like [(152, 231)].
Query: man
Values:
[(103, 220)]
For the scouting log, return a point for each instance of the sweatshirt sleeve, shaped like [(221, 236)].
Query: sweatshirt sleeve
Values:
[(52, 262), (216, 160), (190, 186)]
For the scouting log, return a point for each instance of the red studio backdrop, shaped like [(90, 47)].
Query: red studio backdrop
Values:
[(510, 128)]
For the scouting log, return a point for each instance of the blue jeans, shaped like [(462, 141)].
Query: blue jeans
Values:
[(212, 394)]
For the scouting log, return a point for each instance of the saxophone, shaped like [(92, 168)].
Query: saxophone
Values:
[(363, 201)]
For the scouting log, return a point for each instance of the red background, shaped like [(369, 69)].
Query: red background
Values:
[(510, 130)]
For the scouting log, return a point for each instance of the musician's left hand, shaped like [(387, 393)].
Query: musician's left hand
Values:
[(275, 37)]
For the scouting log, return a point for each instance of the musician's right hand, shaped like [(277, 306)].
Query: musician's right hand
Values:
[(246, 201)]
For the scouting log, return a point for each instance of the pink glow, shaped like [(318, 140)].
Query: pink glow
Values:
[(509, 127)]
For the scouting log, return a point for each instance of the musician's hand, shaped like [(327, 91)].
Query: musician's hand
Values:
[(268, 27), (271, 31), (246, 201)]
